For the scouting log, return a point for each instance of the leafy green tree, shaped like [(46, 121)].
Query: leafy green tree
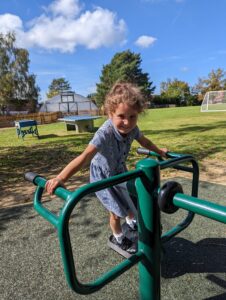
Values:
[(124, 66), (17, 86), (176, 91), (215, 81), (57, 86)]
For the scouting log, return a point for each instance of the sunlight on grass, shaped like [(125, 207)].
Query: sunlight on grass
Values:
[(183, 130)]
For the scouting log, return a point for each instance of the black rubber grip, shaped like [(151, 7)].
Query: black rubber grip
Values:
[(30, 176), (143, 151)]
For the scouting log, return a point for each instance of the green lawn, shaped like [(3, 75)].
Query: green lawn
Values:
[(183, 130)]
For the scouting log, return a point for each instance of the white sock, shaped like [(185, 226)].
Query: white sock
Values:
[(131, 222), (119, 237)]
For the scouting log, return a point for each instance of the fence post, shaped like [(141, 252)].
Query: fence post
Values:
[(149, 229)]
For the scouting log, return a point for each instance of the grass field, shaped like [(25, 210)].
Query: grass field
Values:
[(183, 130)]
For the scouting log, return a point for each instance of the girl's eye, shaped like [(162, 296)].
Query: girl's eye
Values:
[(124, 117)]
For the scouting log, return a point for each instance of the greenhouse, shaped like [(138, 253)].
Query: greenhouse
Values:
[(69, 102)]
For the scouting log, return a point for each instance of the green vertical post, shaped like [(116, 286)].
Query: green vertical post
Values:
[(149, 229)]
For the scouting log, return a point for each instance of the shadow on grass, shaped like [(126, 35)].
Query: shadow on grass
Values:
[(44, 159), (47, 136)]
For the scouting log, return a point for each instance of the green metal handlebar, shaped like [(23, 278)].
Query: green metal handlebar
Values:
[(152, 153), (61, 222), (40, 182), (201, 207)]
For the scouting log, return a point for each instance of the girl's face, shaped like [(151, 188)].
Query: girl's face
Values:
[(124, 118)]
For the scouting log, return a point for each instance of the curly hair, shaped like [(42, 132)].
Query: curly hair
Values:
[(124, 92)]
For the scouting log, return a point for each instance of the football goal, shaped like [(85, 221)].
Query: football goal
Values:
[(214, 101)]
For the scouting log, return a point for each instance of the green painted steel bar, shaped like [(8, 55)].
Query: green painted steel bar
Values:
[(194, 192), (202, 207), (152, 153), (195, 169), (178, 228), (43, 211), (38, 206), (92, 287), (65, 243), (175, 161), (149, 229), (62, 224), (150, 259), (60, 192)]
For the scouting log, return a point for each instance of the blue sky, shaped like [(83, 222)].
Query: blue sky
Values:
[(183, 39)]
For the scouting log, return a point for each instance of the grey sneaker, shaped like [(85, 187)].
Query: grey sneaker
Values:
[(126, 248), (130, 233), (133, 227)]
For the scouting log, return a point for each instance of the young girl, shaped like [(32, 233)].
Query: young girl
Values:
[(107, 153)]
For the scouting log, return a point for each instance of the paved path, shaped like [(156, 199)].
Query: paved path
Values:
[(194, 266)]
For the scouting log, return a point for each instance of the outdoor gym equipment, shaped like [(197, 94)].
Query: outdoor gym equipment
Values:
[(150, 197)]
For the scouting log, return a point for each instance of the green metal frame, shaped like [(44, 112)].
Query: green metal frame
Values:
[(176, 161), (147, 175)]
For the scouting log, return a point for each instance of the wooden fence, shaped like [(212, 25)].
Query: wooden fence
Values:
[(41, 118)]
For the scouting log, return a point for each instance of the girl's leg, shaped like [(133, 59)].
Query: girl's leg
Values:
[(115, 224)]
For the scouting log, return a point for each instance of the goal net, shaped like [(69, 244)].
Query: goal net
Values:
[(214, 101)]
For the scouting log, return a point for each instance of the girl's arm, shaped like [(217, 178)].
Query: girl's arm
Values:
[(74, 166), (146, 143)]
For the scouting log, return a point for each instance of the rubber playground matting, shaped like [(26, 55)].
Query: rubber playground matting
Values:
[(193, 267)]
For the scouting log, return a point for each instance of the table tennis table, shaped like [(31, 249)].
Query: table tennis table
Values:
[(79, 123)]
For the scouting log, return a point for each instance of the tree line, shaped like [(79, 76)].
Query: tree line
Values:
[(18, 87)]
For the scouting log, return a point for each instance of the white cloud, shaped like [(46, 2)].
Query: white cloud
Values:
[(65, 8), (10, 22), (145, 41), (64, 27)]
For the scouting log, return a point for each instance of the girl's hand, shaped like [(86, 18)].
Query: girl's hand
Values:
[(52, 184), (163, 152)]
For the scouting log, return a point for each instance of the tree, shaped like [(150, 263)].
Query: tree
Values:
[(57, 86), (176, 91), (124, 66), (92, 97), (17, 86), (214, 82)]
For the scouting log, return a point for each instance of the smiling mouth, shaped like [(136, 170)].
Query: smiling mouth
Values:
[(123, 128)]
